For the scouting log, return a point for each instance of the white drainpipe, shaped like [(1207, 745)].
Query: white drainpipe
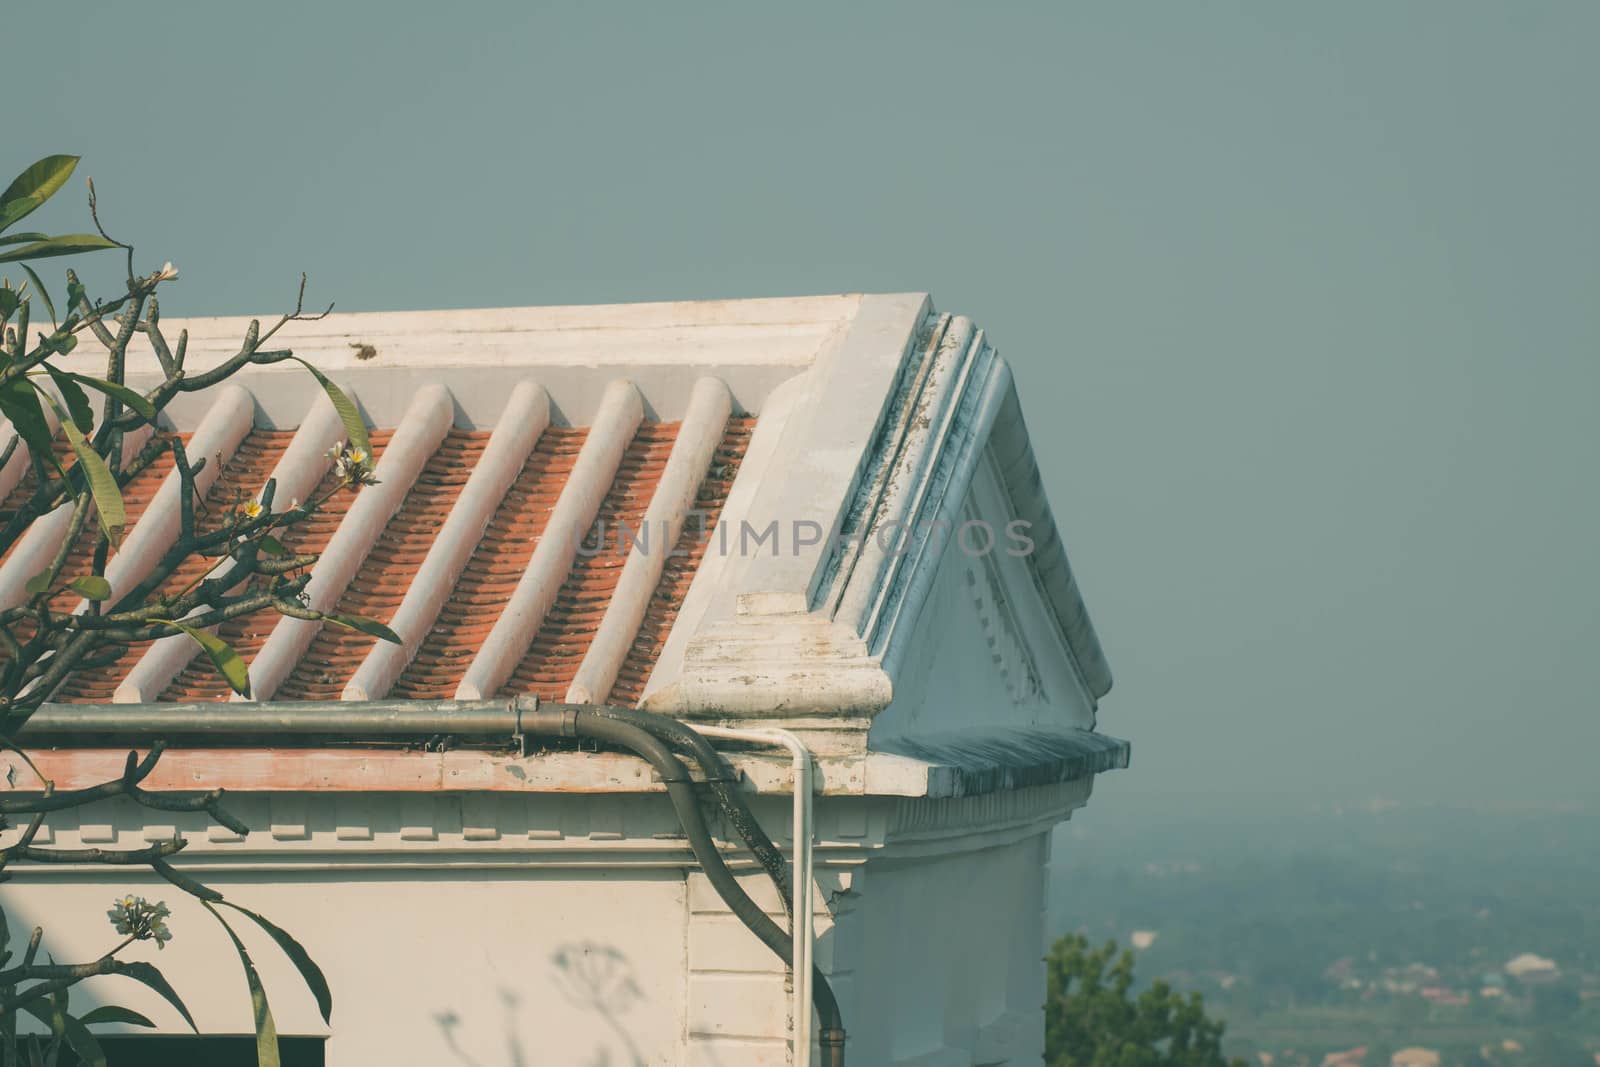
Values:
[(801, 923)]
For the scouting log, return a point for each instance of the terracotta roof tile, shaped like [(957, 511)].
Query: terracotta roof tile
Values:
[(136, 496), (482, 591), (492, 572), (683, 563), (381, 583), (486, 583), (551, 662), (242, 476), (200, 681)]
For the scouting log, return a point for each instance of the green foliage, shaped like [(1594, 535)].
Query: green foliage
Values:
[(354, 425), (1094, 1019), (370, 627), (266, 1029), (40, 646), (33, 187), (228, 663)]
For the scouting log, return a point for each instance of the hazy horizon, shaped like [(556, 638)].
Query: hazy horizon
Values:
[(1301, 300)]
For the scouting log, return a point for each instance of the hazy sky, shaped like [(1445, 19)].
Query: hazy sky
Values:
[(1304, 301)]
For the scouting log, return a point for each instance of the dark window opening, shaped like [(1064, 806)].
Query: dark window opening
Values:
[(130, 1050)]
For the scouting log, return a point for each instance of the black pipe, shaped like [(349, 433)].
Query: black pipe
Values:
[(601, 725), (644, 733), (721, 779)]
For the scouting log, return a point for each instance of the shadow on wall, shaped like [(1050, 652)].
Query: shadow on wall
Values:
[(598, 980)]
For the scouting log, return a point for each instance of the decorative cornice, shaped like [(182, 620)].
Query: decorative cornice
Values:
[(395, 831), (999, 761), (828, 630)]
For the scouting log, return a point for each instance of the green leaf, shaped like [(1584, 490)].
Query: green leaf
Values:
[(272, 546), (370, 627), (107, 497), (309, 971), (83, 1042), (9, 302), (223, 657), (91, 587), (129, 397), (33, 187), (111, 1013), (39, 583), (19, 238), (19, 402), (266, 1030), (67, 244), (46, 1011), (354, 426), (64, 1026), (78, 404), (147, 974), (44, 294)]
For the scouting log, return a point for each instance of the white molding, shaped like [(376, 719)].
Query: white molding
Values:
[(781, 330), (408, 451), (480, 355), (524, 420), (826, 444), (899, 593), (580, 499), (364, 831)]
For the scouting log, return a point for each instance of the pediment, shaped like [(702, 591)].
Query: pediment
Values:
[(941, 596)]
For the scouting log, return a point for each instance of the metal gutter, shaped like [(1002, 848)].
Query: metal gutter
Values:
[(310, 718), (802, 922), (644, 734)]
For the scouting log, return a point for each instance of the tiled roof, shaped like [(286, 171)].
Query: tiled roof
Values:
[(486, 582), (505, 438)]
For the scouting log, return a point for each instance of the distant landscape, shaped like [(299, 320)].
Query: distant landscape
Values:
[(1366, 935)]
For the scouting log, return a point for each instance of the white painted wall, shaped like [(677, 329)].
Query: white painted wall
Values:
[(947, 958), (439, 967), (572, 931)]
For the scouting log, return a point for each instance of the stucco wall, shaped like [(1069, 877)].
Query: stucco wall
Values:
[(945, 955), (489, 968), (575, 931)]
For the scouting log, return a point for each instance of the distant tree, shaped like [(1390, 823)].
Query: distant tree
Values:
[(1093, 1018), (1552, 1048), (1556, 1003)]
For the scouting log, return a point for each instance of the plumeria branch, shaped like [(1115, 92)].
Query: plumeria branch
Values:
[(70, 618)]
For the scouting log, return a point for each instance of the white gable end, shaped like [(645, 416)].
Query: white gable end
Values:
[(985, 652)]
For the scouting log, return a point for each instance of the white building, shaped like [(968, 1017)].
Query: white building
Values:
[(880, 576)]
